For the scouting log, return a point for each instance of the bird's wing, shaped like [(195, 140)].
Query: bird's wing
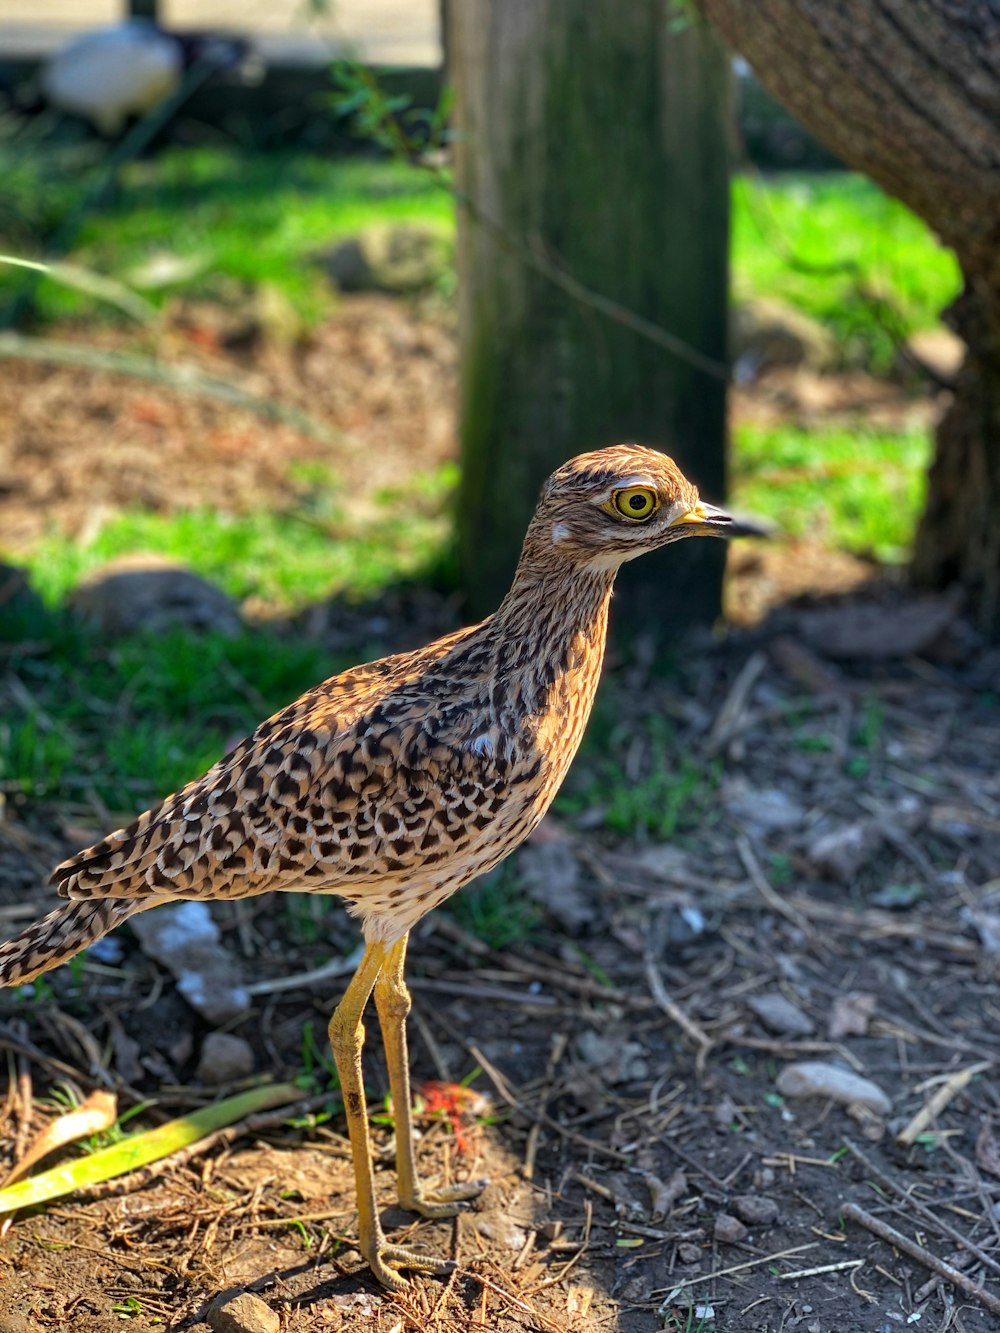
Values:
[(348, 785)]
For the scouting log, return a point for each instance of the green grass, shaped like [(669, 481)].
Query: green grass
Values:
[(831, 244), (661, 797), (859, 489), (836, 247), (130, 721), (496, 909), (317, 548), (248, 218)]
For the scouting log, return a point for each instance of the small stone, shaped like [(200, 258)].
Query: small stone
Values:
[(618, 1061), (400, 258), (185, 939), (224, 1059), (502, 1231), (936, 350), (688, 1253), (551, 874), (850, 1014), (840, 852), (755, 1210), (245, 1313), (145, 591), (767, 333), (779, 1015), (815, 1078), (761, 810), (728, 1230)]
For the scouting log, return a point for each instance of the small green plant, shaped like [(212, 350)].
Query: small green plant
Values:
[(670, 793), (496, 909), (307, 917), (781, 870), (868, 729), (317, 1059), (128, 1308)]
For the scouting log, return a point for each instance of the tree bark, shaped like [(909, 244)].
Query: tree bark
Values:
[(908, 91), (592, 171)]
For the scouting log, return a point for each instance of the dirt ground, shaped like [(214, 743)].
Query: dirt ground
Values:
[(656, 1160)]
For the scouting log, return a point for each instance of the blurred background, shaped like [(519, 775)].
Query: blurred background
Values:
[(300, 302)]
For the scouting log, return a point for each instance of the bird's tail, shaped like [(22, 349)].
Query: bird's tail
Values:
[(60, 935)]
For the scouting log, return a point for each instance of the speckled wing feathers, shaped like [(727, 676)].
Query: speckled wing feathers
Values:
[(364, 779)]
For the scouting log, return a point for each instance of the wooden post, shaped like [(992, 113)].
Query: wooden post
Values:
[(591, 148)]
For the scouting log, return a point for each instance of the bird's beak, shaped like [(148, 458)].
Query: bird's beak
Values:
[(705, 520)]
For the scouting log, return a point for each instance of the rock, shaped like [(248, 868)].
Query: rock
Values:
[(756, 1210), (245, 1313), (766, 333), (876, 633), (935, 351), (145, 591), (840, 852), (664, 861), (551, 874), (502, 1231), (688, 1253), (224, 1059), (403, 258), (761, 810), (815, 1078), (986, 925), (728, 1230), (185, 939), (618, 1061), (850, 1014), (16, 594), (779, 1015)]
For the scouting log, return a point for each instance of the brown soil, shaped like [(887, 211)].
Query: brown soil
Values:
[(830, 895)]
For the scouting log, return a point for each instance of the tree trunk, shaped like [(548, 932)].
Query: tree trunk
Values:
[(592, 170), (908, 91)]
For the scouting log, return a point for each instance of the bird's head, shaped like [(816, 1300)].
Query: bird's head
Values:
[(603, 508)]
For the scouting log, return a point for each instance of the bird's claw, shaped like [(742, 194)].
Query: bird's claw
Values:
[(443, 1201), (385, 1260)]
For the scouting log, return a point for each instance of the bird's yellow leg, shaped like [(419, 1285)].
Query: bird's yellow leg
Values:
[(347, 1037), (392, 1000)]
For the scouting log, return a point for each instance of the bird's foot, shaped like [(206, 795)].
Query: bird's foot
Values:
[(385, 1260), (444, 1201)]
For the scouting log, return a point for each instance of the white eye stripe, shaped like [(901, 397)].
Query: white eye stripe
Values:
[(626, 484)]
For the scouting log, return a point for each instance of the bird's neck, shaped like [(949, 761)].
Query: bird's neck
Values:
[(551, 630)]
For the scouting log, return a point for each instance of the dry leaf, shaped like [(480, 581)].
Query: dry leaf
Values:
[(851, 1014), (93, 1116)]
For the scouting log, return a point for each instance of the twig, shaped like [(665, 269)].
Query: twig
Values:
[(671, 1292), (728, 720), (557, 1049), (933, 1108), (823, 1268), (760, 883), (896, 1238), (24, 1101), (336, 967), (492, 994), (675, 1013), (944, 1227)]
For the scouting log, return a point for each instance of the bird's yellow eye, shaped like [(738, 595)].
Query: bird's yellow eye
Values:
[(635, 502)]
